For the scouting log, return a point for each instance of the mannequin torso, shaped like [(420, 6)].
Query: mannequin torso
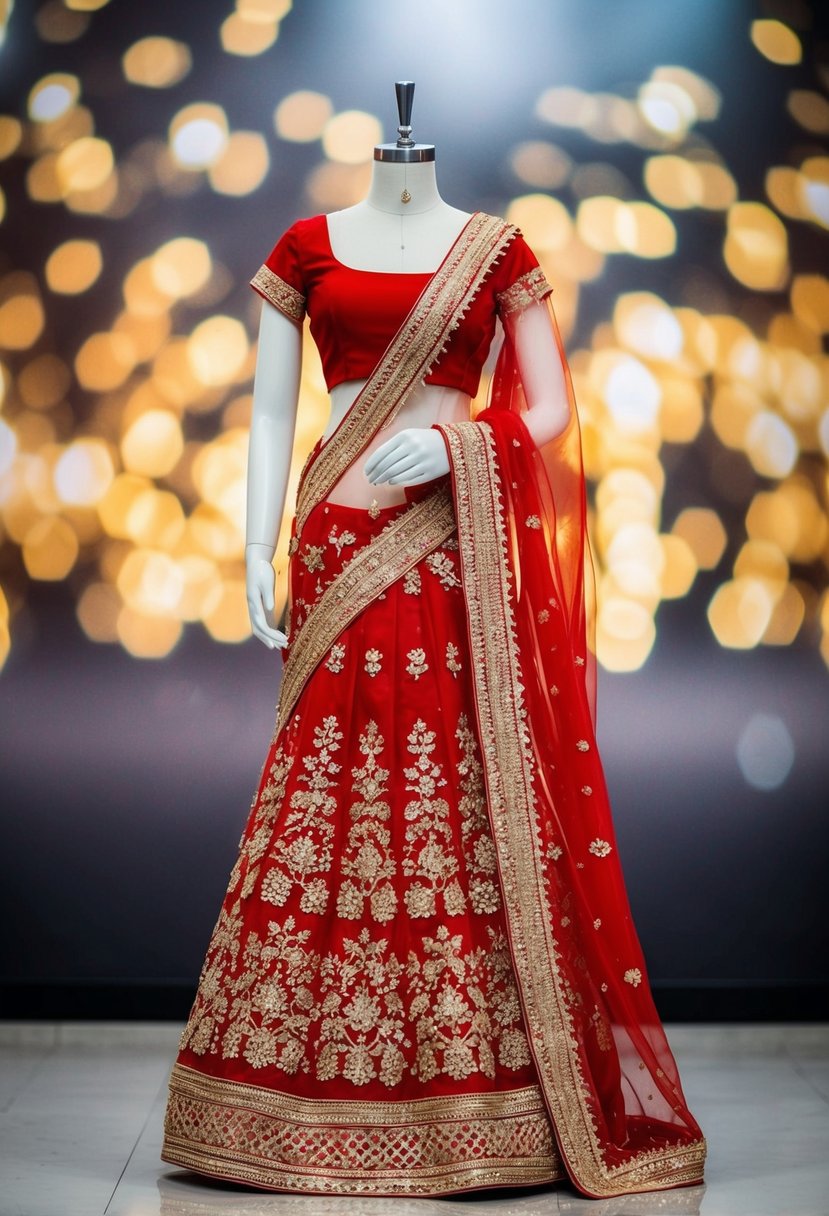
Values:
[(383, 235)]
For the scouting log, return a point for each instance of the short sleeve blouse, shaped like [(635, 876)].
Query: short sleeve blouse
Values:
[(355, 313)]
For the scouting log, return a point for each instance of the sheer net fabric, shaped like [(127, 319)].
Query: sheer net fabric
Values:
[(605, 1063), (427, 404)]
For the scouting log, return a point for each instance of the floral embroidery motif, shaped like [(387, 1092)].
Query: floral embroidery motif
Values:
[(373, 657), (533, 521), (428, 854), (339, 539), (554, 690), (336, 654), (443, 1009), (583, 745), (579, 661), (597, 922), (443, 568), (633, 976), (304, 845), (374, 509), (543, 616), (417, 665), (362, 1011), (587, 790), (479, 847), (313, 557), (452, 663), (601, 848), (411, 581), (367, 863), (554, 851)]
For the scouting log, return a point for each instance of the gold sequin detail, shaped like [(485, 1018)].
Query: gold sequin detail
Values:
[(285, 297)]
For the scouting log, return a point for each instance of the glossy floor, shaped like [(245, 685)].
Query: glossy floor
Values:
[(81, 1109)]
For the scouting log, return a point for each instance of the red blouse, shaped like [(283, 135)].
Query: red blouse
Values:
[(355, 313)]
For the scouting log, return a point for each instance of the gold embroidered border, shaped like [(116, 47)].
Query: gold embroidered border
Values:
[(410, 354), (286, 298), (414, 1147), (508, 765), (525, 290), (402, 543)]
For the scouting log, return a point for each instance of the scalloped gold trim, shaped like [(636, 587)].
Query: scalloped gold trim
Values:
[(285, 297), (525, 290), (421, 1146)]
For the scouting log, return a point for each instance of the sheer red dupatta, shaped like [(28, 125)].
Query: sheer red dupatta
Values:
[(607, 1072)]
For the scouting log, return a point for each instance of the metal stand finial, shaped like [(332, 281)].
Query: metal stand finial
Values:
[(405, 150), (405, 97)]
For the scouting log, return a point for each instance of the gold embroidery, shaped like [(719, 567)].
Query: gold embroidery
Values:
[(533, 521), (373, 658), (313, 557), (601, 848), (587, 789), (554, 690), (583, 745), (525, 290), (422, 1146), (428, 854), (444, 569), (411, 581), (286, 298), (508, 757), (374, 508), (633, 976), (304, 844), (339, 539), (452, 663), (367, 863), (417, 665), (479, 849), (334, 662), (400, 545), (543, 616), (410, 355)]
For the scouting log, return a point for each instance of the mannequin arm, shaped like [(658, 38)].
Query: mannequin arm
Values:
[(275, 398), (542, 371)]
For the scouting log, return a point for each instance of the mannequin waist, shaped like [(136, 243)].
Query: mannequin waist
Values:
[(427, 403)]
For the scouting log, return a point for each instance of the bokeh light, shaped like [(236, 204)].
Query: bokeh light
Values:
[(694, 307)]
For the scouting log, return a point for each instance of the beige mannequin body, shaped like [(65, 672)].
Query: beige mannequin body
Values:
[(383, 234)]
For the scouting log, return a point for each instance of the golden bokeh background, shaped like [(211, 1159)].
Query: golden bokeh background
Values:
[(690, 282)]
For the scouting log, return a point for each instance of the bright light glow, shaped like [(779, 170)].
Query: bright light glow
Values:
[(350, 136), (765, 751), (198, 135), (84, 472)]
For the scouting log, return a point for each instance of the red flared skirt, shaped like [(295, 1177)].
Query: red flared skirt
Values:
[(357, 1028)]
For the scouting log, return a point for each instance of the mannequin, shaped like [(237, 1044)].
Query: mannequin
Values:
[(402, 226), (424, 976)]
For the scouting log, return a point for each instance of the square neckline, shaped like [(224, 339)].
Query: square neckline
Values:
[(406, 274)]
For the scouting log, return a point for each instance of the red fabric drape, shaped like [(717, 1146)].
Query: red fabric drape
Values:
[(633, 1129)]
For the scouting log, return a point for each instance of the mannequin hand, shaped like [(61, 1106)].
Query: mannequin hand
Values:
[(259, 585), (409, 458)]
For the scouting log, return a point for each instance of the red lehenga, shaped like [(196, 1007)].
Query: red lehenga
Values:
[(424, 977)]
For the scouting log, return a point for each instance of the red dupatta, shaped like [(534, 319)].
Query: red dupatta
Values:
[(606, 1070)]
